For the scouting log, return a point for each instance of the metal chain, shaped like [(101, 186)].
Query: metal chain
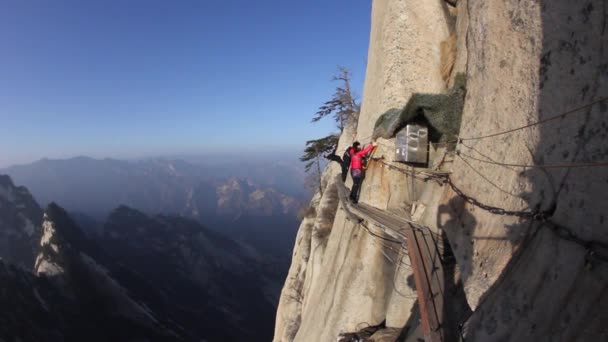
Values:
[(535, 214), (595, 250), (444, 178)]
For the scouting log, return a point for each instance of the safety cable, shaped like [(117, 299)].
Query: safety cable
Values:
[(536, 123), (401, 262), (486, 178), (476, 151), (378, 235), (595, 250), (562, 115), (593, 247), (411, 174), (543, 166), (421, 175)]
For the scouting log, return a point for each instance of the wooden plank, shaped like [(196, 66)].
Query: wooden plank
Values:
[(430, 270), (386, 223), (430, 324), (424, 258), (432, 250), (437, 282)]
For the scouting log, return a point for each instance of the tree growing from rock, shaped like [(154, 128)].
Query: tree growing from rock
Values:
[(313, 152), (344, 108), (343, 104)]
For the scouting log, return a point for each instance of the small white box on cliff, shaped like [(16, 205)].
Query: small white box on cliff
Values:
[(411, 144)]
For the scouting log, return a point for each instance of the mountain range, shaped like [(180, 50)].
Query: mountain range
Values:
[(252, 201), (143, 278)]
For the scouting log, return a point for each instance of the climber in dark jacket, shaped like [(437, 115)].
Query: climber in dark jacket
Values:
[(356, 168), (344, 161)]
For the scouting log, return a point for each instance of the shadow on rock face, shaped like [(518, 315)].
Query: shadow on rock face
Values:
[(459, 228), (553, 289)]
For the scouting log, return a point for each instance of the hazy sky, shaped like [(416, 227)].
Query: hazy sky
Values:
[(118, 78)]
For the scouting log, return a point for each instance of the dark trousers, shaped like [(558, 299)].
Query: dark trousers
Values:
[(344, 164), (345, 167), (358, 176)]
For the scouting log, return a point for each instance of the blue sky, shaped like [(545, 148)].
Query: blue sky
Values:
[(135, 78)]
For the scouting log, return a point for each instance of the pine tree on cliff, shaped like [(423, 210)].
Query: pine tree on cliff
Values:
[(312, 155), (345, 109), (343, 103)]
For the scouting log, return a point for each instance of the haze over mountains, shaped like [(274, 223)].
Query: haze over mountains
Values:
[(49, 179), (251, 200), (159, 249)]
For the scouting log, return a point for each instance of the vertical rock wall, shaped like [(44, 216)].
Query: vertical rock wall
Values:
[(345, 281), (528, 61), (524, 61)]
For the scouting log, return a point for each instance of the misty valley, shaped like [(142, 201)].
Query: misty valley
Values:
[(165, 250)]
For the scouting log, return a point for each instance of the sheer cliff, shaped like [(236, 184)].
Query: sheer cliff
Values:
[(521, 213)]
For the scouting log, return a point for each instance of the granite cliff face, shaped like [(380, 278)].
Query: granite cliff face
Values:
[(524, 278)]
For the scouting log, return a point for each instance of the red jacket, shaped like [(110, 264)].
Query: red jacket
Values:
[(356, 158)]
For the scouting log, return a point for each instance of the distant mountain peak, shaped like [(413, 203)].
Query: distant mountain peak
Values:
[(124, 213), (169, 186), (61, 242), (6, 182), (48, 260), (20, 222), (67, 229), (124, 209)]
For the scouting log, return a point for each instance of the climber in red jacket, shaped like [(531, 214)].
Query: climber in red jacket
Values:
[(356, 168), (344, 161)]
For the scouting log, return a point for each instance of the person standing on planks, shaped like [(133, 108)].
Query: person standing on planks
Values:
[(356, 168), (344, 161)]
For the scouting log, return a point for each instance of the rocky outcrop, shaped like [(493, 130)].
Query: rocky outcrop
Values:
[(525, 278), (76, 266), (147, 278), (213, 286), (237, 197), (38, 310), (72, 295), (20, 220)]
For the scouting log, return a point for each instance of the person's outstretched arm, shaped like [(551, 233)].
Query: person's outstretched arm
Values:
[(366, 150)]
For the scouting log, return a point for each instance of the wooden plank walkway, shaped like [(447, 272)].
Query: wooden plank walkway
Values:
[(428, 276), (423, 248)]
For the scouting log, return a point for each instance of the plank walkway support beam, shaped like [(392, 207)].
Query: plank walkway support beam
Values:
[(430, 294), (423, 248)]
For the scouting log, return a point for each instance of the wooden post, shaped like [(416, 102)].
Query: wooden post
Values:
[(422, 277)]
